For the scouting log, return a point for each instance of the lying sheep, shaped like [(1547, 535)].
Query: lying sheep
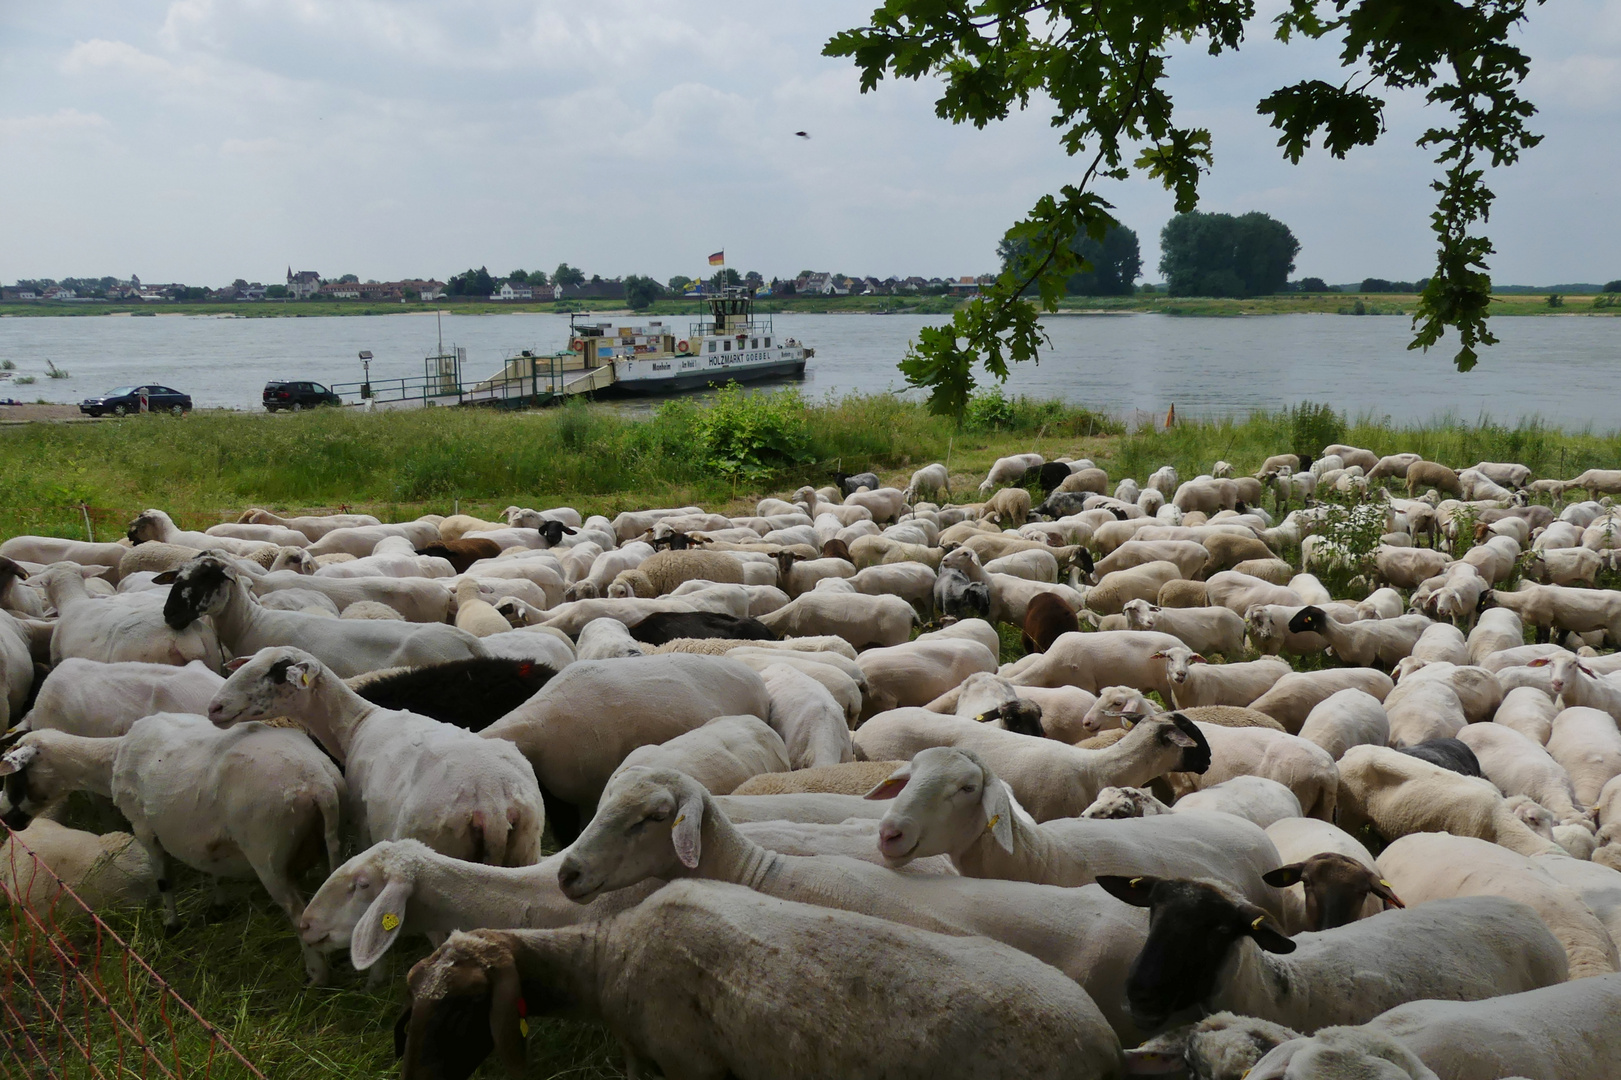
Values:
[(850, 778), (106, 871)]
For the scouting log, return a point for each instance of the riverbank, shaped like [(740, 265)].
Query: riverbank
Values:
[(1147, 303), (207, 467)]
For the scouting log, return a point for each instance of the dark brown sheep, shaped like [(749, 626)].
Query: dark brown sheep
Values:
[(1045, 618), (461, 553)]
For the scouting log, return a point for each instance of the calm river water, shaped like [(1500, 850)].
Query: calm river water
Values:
[(1566, 370)]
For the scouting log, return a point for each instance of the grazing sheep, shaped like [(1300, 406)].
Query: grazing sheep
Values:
[(663, 571), (1346, 718), (662, 964), (471, 694), (101, 701), (861, 620), (1332, 879), (1010, 470), (929, 480), (1183, 594), (1293, 697)]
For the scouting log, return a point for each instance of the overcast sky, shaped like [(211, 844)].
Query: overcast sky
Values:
[(202, 141)]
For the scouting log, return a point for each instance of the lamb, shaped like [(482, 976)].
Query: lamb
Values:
[(1367, 643), (1344, 719), (101, 701), (1194, 682), (1519, 766), (1303, 767), (929, 480), (1008, 506), (1117, 705), (1585, 741), (1398, 794), (312, 526), (1427, 868), (577, 730), (886, 504), (1091, 661), (718, 755), (1203, 630), (663, 571), (1227, 550), (255, 802), (481, 803), (210, 586), (1328, 877), (1119, 803), (476, 615), (802, 575), (607, 639), (861, 620), (106, 871), (1430, 474), (1052, 780), (127, 627), (660, 965), (155, 525), (915, 673), (1578, 610), (1076, 931), (1010, 470), (1463, 949)]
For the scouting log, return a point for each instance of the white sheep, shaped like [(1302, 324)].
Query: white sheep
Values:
[(861, 620), (230, 804), (720, 754), (1585, 741), (809, 719), (1293, 697), (106, 871), (1193, 682), (1010, 470), (1204, 630), (929, 480), (716, 979), (86, 697), (917, 672), (409, 776), (1520, 766), (127, 627), (1344, 719)]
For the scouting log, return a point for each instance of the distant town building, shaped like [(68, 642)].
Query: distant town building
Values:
[(513, 291), (305, 283)]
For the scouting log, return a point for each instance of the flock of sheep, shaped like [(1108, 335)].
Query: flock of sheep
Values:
[(801, 839)]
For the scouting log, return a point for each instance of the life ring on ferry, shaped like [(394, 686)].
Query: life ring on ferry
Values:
[(576, 344), (682, 345)]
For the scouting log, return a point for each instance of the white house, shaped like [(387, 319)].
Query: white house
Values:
[(302, 284), (509, 291)]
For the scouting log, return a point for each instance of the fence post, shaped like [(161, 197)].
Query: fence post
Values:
[(88, 532)]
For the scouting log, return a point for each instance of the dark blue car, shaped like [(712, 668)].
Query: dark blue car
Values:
[(127, 399)]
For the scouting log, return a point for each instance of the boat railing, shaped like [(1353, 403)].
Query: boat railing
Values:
[(760, 324)]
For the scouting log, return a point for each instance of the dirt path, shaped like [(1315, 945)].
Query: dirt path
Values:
[(18, 414)]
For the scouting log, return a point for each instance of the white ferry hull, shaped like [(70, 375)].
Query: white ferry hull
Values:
[(675, 373)]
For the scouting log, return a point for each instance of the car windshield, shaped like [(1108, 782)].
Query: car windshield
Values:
[(120, 392)]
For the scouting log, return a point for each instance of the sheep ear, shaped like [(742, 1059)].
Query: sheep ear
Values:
[(1136, 891), (1268, 936), (233, 664), (1541, 661), (1284, 876), (686, 832), (166, 578), (507, 1024), (1161, 655), (379, 926), (890, 788), (1381, 888), (998, 806), (1197, 659), (1585, 670), (15, 761)]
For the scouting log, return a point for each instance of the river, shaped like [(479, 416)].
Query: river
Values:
[(1564, 370)]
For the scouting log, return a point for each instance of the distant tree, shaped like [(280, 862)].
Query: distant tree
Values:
[(1222, 255), (276, 292), (1314, 285), (1145, 287), (538, 278), (753, 279), (640, 292), (725, 277), (190, 292), (679, 283), (1555, 300), (520, 277), (1380, 285), (787, 288), (349, 279), (1613, 286), (239, 284), (568, 275), (470, 283), (1115, 262), (803, 273)]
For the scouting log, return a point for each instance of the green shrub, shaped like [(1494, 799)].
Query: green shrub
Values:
[(1314, 426), (752, 436), (988, 411)]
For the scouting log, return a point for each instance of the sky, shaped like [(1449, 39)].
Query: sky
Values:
[(203, 141)]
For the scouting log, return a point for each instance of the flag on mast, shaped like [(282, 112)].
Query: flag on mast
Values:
[(718, 259)]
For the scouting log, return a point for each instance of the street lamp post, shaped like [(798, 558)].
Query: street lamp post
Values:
[(365, 362)]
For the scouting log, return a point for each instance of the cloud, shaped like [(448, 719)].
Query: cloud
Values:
[(62, 122)]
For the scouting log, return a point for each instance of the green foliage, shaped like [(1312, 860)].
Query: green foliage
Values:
[(1102, 67), (640, 292), (1313, 426), (567, 275), (1608, 300), (1223, 255), (1555, 300), (988, 411), (1314, 285), (1109, 266), (470, 283), (679, 283), (1348, 537), (1613, 286), (751, 436)]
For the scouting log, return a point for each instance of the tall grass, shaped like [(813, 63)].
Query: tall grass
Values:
[(600, 459)]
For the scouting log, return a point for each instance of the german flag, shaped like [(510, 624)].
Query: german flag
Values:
[(718, 259)]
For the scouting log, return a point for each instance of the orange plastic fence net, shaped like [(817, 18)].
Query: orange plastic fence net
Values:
[(76, 1001)]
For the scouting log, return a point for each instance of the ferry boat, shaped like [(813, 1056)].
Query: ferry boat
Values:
[(731, 345)]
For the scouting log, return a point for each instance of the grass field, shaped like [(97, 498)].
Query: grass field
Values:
[(242, 969), (1281, 304)]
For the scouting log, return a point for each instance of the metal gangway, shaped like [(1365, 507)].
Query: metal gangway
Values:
[(527, 380)]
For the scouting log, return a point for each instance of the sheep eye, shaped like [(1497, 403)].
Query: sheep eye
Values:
[(659, 815), (969, 789)]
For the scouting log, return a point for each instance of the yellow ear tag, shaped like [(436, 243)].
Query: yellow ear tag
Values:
[(304, 678), (1134, 882), (679, 819), (391, 922), (1386, 884), (1259, 919), (523, 1028), (991, 824)]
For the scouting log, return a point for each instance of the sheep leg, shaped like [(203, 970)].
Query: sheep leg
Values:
[(1541, 634), (160, 859), (287, 897)]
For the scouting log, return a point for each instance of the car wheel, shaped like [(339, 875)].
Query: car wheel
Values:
[(297, 407), (178, 410), (270, 408), (120, 410)]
